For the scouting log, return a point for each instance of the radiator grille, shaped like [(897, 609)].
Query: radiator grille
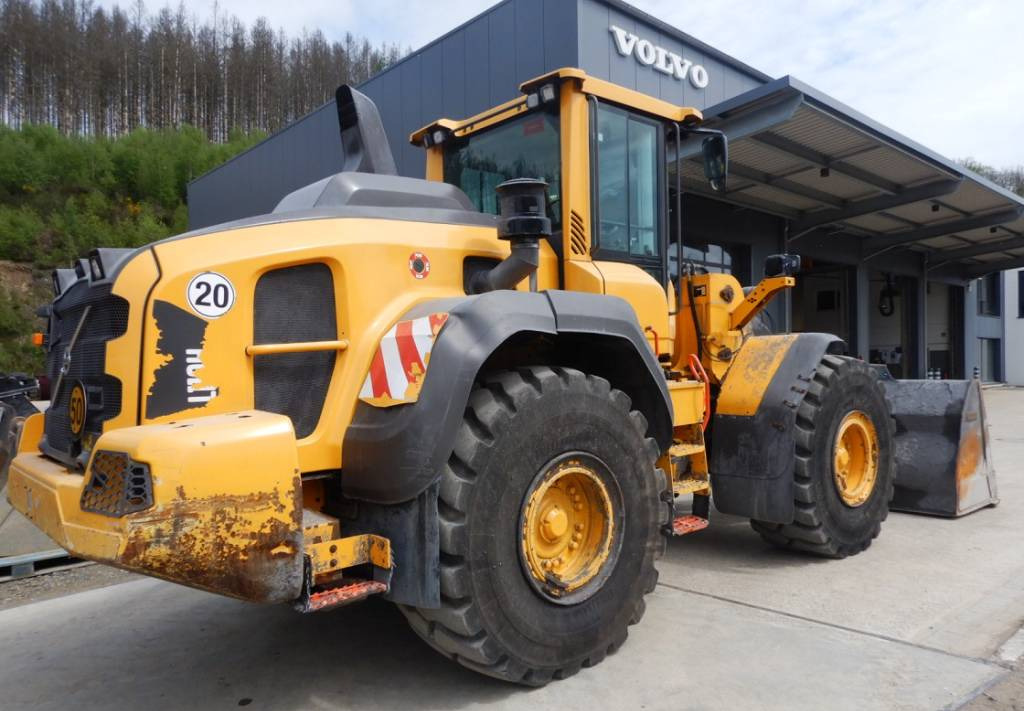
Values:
[(292, 305), (107, 319)]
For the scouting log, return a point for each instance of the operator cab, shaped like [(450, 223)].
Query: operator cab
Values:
[(630, 145)]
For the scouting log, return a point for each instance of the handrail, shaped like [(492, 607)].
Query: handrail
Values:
[(302, 347)]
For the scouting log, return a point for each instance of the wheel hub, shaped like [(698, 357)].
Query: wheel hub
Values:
[(855, 458), (567, 528)]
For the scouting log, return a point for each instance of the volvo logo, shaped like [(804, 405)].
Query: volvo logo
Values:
[(659, 58)]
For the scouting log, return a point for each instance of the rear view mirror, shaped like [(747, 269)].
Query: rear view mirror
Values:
[(716, 160)]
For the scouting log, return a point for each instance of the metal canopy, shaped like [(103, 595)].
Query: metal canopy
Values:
[(829, 170)]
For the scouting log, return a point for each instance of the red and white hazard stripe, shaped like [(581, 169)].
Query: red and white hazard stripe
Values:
[(401, 360)]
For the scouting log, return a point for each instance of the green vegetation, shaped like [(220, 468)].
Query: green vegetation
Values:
[(17, 354), (61, 196)]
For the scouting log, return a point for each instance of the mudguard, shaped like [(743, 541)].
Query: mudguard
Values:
[(392, 455), (751, 436)]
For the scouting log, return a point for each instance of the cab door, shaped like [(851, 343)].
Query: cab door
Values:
[(629, 217)]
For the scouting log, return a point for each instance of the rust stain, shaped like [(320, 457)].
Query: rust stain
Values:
[(237, 545), (968, 459)]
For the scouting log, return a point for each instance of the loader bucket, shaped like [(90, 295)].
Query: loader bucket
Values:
[(943, 459)]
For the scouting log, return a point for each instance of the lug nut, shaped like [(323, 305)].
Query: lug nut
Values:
[(579, 526), (573, 546)]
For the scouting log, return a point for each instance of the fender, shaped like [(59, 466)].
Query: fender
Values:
[(752, 449), (392, 455)]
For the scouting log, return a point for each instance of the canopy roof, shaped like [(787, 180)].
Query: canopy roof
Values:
[(831, 171)]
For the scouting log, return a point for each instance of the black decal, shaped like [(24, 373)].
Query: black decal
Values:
[(180, 332)]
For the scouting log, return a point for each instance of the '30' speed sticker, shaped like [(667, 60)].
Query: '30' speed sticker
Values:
[(210, 294)]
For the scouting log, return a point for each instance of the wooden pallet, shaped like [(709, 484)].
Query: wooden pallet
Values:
[(29, 564)]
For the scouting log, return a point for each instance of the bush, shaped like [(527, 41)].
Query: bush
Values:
[(21, 230), (61, 196), (17, 354)]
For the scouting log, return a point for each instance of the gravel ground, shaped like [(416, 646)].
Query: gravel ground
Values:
[(47, 586), (1007, 695)]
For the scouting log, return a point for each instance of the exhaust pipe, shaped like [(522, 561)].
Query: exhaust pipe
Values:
[(522, 206)]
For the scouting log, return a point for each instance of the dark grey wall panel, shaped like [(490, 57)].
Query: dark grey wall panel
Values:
[(252, 182), (503, 41), (529, 19), (559, 35)]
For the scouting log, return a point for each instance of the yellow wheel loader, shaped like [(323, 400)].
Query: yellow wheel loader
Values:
[(488, 396)]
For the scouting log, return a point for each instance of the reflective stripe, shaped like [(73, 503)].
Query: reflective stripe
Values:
[(401, 360)]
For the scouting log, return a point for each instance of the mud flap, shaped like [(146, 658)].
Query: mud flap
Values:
[(943, 456), (751, 444)]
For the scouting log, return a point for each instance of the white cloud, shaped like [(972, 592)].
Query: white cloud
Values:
[(945, 73)]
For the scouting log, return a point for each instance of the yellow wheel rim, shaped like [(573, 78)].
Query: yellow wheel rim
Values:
[(855, 458), (567, 528)]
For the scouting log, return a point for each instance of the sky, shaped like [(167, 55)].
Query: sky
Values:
[(946, 73)]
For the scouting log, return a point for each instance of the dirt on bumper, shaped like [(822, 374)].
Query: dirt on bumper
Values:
[(226, 512)]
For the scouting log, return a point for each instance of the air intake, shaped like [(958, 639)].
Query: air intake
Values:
[(294, 305)]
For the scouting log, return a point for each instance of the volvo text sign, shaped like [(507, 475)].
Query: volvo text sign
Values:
[(651, 55)]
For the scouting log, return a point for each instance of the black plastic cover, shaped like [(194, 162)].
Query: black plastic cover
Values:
[(393, 454), (368, 190)]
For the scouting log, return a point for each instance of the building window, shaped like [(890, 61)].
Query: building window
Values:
[(991, 360), (988, 295), (627, 185), (1020, 294), (716, 258)]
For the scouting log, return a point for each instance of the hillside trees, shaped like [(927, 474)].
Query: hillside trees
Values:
[(87, 70)]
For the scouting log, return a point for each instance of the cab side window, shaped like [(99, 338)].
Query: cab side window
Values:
[(627, 190)]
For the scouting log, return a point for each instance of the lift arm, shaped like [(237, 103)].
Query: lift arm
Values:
[(758, 299)]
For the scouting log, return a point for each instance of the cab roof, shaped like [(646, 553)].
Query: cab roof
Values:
[(587, 84)]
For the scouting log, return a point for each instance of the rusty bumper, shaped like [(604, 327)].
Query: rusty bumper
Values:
[(212, 502)]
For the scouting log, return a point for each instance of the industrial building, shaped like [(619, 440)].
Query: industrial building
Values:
[(902, 248)]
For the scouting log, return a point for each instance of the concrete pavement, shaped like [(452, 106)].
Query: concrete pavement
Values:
[(916, 622)]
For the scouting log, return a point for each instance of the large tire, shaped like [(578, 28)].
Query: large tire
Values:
[(824, 524), (493, 618)]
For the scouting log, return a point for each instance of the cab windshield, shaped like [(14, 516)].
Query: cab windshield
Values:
[(524, 147)]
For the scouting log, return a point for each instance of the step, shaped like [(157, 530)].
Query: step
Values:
[(342, 595), (685, 449), (688, 524), (689, 485)]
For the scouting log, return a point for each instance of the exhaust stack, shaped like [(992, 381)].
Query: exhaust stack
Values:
[(363, 140), (522, 206)]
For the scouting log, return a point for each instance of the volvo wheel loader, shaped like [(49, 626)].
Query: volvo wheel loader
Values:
[(488, 396)]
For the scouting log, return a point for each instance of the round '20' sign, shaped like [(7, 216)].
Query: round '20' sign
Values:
[(210, 294)]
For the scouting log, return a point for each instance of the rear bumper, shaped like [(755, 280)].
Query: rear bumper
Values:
[(223, 511)]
